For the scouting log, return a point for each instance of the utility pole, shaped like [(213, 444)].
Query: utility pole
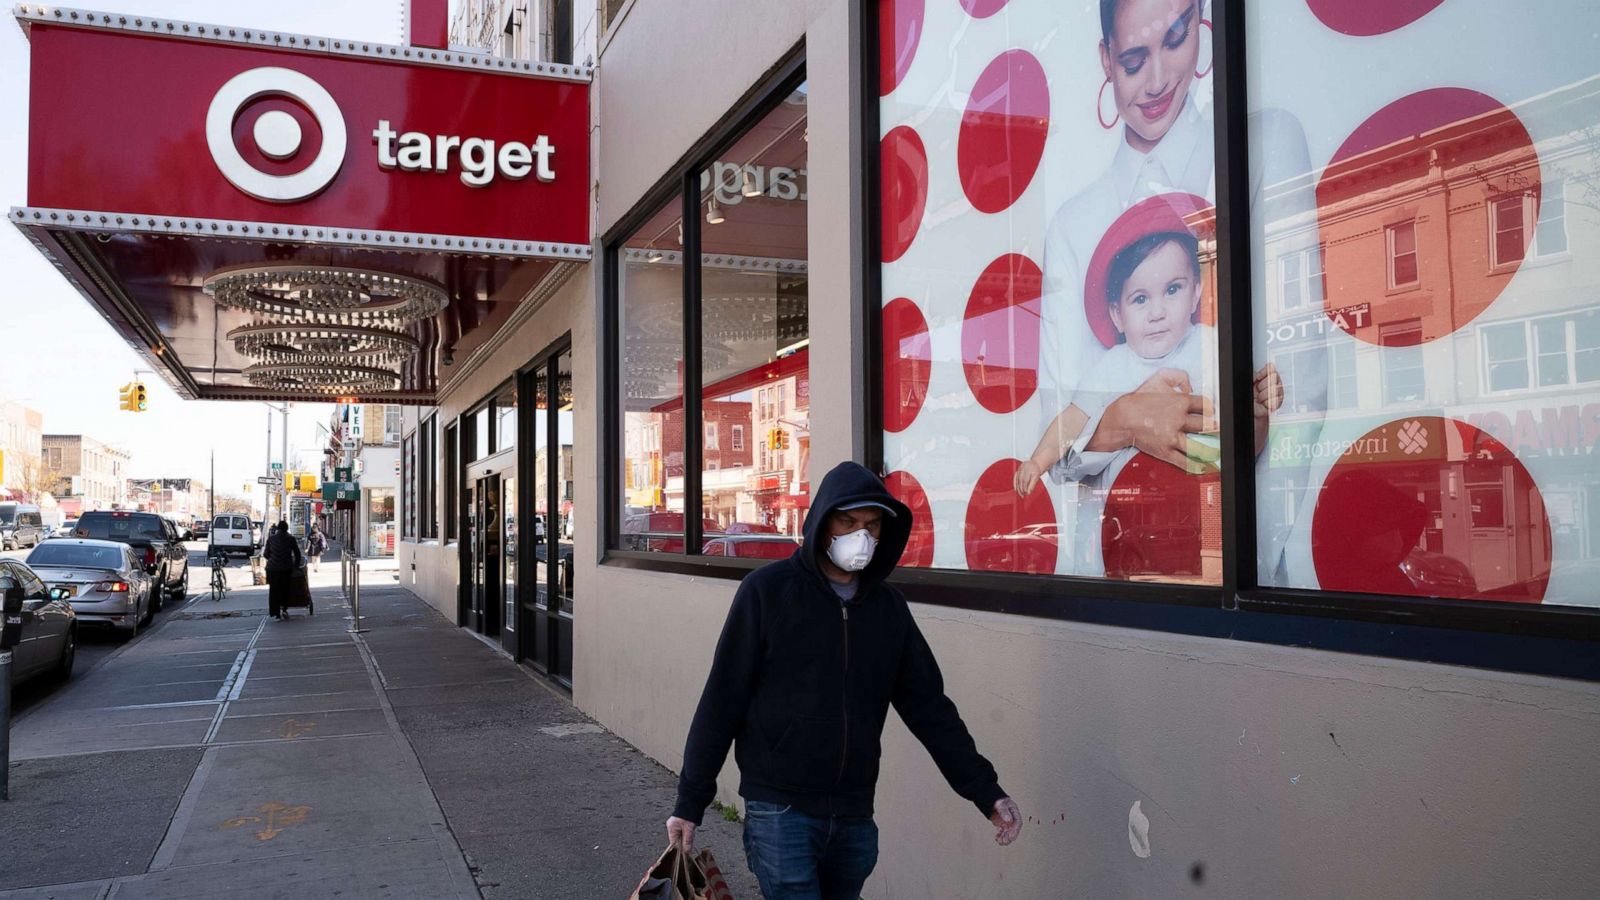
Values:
[(266, 493), (283, 490), (211, 491)]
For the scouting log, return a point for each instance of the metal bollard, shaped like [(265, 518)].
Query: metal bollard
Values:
[(355, 596)]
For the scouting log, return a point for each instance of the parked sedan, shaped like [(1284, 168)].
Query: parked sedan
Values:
[(49, 637), (104, 581)]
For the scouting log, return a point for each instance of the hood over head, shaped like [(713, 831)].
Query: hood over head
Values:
[(851, 483)]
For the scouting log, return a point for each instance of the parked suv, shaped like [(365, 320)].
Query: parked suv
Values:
[(20, 526), (154, 538)]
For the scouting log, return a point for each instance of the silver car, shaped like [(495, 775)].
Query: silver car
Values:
[(104, 581)]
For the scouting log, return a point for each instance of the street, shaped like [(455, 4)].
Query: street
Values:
[(95, 645), (221, 752)]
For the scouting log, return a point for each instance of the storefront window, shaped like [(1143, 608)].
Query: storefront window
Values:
[(408, 467), (1463, 467), (755, 339), (505, 417), (428, 478), (380, 522), (482, 433), (1048, 286), (740, 407), (452, 477), (649, 272)]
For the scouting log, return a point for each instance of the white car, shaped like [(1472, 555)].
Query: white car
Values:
[(231, 534)]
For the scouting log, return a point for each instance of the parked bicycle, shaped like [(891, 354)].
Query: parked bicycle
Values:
[(219, 577)]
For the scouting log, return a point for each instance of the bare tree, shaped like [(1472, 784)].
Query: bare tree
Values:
[(40, 477)]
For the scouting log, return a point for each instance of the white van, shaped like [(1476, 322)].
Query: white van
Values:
[(231, 534)]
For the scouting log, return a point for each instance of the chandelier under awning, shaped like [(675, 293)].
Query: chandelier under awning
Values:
[(325, 329)]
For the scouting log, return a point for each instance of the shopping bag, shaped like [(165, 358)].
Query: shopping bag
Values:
[(716, 884), (675, 876)]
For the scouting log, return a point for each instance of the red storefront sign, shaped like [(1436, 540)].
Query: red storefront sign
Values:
[(305, 131)]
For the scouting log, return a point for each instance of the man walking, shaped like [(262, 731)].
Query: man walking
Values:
[(283, 560), (814, 651)]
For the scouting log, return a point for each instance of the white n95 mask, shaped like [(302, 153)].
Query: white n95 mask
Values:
[(851, 552)]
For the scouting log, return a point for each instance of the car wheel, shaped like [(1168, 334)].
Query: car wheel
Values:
[(69, 652), (149, 611), (158, 591), (133, 632), (182, 590)]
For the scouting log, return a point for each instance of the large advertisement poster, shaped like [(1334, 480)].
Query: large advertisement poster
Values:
[(1048, 247), (1423, 184)]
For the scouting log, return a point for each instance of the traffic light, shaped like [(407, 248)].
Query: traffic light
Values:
[(133, 397)]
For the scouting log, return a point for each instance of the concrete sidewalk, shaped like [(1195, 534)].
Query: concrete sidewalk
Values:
[(224, 752)]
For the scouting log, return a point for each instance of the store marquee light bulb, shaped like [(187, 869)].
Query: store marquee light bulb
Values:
[(714, 213), (751, 188)]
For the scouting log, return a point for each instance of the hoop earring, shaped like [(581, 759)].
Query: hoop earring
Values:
[(1099, 101), (1206, 23)]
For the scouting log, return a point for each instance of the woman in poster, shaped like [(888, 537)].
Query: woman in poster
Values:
[(1150, 55)]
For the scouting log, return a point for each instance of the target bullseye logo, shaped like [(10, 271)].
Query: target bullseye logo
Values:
[(276, 133)]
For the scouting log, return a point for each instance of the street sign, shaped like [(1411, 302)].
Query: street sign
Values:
[(277, 467), (269, 480)]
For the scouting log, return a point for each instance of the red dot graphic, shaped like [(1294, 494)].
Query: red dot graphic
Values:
[(1365, 18), (904, 162), (1007, 533), (1162, 522), (1003, 131), (982, 9), (899, 29), (907, 363), (1403, 263), (903, 486), (1000, 333), (1432, 507)]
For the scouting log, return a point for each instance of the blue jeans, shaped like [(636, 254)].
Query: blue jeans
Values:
[(796, 856)]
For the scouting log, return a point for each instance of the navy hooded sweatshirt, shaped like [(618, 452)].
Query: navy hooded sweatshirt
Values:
[(802, 682)]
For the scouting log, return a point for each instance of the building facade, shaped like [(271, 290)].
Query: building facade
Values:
[(21, 451), (1237, 360), (89, 474), (364, 442), (185, 500), (1107, 714)]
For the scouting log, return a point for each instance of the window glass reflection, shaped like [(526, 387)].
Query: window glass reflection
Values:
[(1440, 437), (755, 339), (650, 291)]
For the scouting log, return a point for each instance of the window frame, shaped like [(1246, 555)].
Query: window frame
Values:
[(1536, 639), (428, 481), (450, 474), (1302, 281), (408, 487), (1532, 215), (1391, 257), (681, 182)]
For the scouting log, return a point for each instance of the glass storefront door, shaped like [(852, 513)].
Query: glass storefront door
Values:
[(486, 556), (547, 599), (508, 564)]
